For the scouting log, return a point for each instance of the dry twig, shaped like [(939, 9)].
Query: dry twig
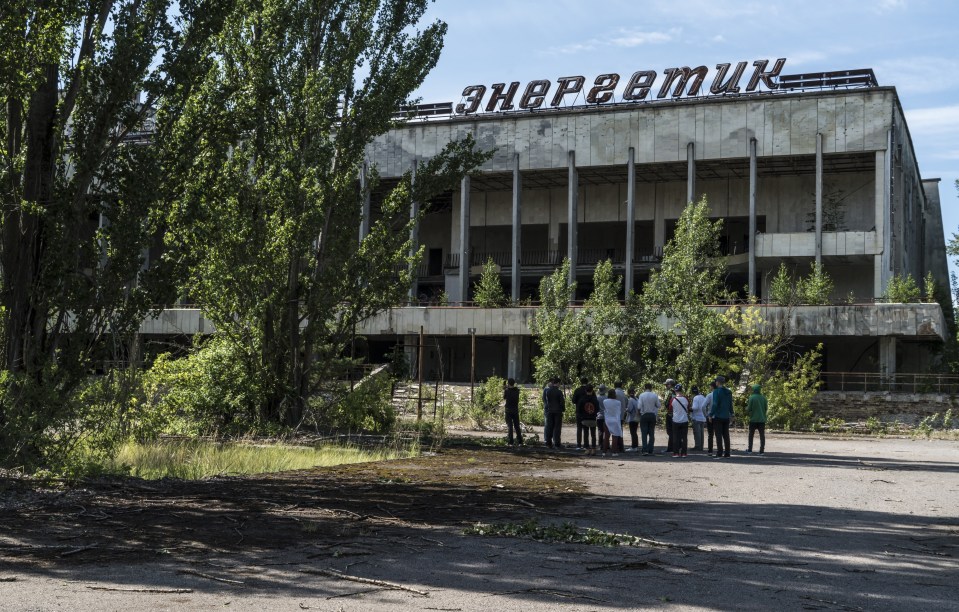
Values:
[(209, 577), (380, 583)]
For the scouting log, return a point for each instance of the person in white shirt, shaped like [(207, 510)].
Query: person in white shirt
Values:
[(698, 418), (681, 407), (649, 405), (613, 411)]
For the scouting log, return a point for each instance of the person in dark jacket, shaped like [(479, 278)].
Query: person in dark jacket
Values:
[(721, 412), (511, 397), (586, 412), (757, 407), (670, 383), (555, 406), (578, 394)]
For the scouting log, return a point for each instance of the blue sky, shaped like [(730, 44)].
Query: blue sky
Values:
[(911, 44)]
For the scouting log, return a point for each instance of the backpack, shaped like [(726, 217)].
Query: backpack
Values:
[(589, 409)]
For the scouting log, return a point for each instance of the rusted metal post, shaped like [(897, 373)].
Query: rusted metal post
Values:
[(419, 390)]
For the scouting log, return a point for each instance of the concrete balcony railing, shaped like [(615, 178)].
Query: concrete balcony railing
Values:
[(803, 244)]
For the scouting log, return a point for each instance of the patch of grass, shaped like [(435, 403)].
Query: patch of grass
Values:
[(563, 532), (195, 460)]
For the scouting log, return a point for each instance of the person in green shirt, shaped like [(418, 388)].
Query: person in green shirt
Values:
[(756, 406)]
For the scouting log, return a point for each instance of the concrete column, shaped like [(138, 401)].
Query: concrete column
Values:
[(659, 223), (464, 239), (887, 263), (887, 355), (818, 198), (365, 193), (690, 172), (414, 236), (752, 216), (880, 223), (515, 362), (630, 218), (517, 229), (573, 218)]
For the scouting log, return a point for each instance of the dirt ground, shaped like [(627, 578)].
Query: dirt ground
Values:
[(816, 524)]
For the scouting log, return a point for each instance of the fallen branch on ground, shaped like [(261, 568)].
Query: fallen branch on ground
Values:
[(380, 583), (209, 577), (172, 591)]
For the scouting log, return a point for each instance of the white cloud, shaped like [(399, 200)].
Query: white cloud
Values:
[(634, 38), (933, 121), (885, 6), (918, 75)]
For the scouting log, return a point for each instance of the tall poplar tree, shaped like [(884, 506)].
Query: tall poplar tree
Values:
[(265, 227)]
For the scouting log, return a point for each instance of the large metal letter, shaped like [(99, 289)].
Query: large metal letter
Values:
[(605, 85), (571, 230), (630, 218), (766, 77), (819, 198), (752, 217), (497, 95), (638, 86), (474, 95), (535, 95), (414, 235), (730, 86), (690, 172), (567, 85), (365, 194), (681, 77), (517, 229), (464, 238)]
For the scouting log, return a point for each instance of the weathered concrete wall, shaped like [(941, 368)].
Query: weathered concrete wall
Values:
[(908, 408), (850, 121)]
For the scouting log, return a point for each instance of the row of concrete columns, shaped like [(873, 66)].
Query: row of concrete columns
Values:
[(882, 225)]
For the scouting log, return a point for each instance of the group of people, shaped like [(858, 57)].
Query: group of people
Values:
[(603, 414)]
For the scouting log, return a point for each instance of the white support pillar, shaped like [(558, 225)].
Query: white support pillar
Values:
[(630, 218), (571, 252), (690, 172), (752, 217), (414, 236), (517, 230), (464, 239), (819, 198), (365, 192), (887, 263)]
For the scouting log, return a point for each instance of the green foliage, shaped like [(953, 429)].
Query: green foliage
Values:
[(366, 408), (813, 289), (902, 290), (560, 331), (608, 354), (929, 287), (488, 291)]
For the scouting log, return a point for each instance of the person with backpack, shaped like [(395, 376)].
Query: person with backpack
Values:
[(613, 413), (698, 419), (555, 406), (721, 413), (757, 406), (586, 412), (648, 411), (680, 405), (511, 398), (632, 419)]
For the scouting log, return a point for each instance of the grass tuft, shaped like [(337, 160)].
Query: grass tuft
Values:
[(196, 460)]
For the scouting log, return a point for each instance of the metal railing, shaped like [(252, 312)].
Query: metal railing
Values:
[(586, 257), (892, 383)]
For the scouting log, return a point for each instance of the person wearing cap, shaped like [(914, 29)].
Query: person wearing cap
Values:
[(649, 406), (680, 406), (757, 407), (670, 384), (698, 418), (721, 413)]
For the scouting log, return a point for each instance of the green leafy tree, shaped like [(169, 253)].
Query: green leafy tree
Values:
[(902, 289), (79, 198), (269, 148), (560, 331), (691, 277), (609, 352), (488, 290), (815, 288), (783, 289)]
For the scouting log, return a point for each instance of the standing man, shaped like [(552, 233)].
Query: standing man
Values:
[(555, 405), (648, 410), (578, 394), (632, 417), (511, 397), (667, 400), (721, 413), (698, 418), (707, 408), (757, 407)]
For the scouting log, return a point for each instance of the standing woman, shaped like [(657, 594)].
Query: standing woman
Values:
[(613, 411), (699, 418), (681, 408), (667, 401)]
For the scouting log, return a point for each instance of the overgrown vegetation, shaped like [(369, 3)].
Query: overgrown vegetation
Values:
[(814, 289), (902, 290), (488, 290)]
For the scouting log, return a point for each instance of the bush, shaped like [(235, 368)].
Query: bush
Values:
[(902, 290), (366, 408)]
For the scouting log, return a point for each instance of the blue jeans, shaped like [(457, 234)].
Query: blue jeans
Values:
[(647, 425)]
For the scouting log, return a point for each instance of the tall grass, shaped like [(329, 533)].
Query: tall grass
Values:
[(195, 460)]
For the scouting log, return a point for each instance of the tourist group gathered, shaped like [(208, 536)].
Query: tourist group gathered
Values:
[(604, 414)]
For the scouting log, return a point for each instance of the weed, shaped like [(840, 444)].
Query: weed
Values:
[(563, 532)]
